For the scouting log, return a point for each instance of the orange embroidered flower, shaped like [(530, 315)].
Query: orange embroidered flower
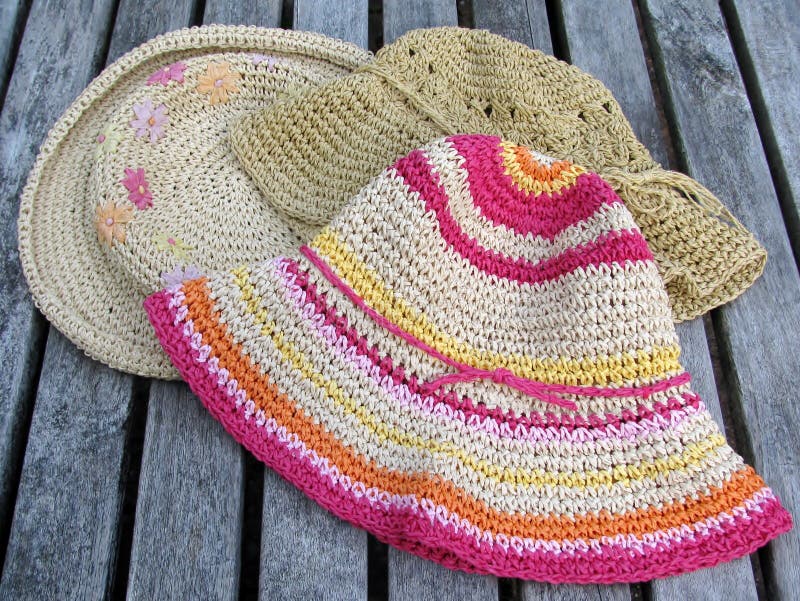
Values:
[(219, 81), (110, 221)]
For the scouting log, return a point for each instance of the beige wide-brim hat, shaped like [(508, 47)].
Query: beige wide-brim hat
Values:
[(136, 184), (440, 81)]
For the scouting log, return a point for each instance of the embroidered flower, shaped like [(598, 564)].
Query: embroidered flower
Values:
[(107, 141), (173, 72), (218, 82), (110, 221), (138, 188), (180, 274), (149, 120), (260, 58), (175, 245)]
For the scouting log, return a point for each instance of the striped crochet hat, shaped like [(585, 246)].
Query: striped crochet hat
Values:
[(327, 144), (476, 362)]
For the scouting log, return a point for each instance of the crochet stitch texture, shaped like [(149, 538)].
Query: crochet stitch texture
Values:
[(141, 160), (328, 143), (412, 370)]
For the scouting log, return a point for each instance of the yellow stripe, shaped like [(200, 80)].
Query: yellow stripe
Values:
[(529, 183), (598, 371), (692, 455)]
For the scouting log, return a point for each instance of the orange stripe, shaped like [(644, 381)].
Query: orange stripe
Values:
[(279, 406)]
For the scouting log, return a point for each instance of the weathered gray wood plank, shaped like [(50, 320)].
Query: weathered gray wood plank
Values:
[(618, 61), (264, 13), (306, 552), (186, 538), (63, 538), (523, 21), (58, 53), (400, 16), (758, 331), (411, 577), (10, 11), (771, 35), (346, 20), (138, 22)]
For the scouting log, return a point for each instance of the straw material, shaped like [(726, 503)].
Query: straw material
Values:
[(137, 180), (476, 362), (328, 143)]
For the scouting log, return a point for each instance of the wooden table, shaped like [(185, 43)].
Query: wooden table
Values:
[(117, 487)]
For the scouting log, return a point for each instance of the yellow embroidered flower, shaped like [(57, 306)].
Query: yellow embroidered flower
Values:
[(175, 245), (110, 221), (219, 81), (107, 141)]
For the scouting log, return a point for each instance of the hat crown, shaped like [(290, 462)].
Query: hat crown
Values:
[(499, 257), (483, 82)]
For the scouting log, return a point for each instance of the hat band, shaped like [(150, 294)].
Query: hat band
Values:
[(467, 373), (429, 110)]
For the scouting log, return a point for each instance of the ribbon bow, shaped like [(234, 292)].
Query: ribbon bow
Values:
[(466, 373)]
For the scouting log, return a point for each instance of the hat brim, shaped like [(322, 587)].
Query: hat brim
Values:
[(73, 281), (265, 350)]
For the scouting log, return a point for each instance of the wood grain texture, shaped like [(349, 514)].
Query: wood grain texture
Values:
[(10, 13), (400, 16), (343, 19), (523, 21), (411, 577), (769, 34), (264, 13), (306, 552), (187, 531), (138, 22), (537, 591), (58, 55), (619, 62), (758, 331), (63, 538)]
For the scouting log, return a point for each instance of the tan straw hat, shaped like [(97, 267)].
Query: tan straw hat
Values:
[(136, 184), (329, 142)]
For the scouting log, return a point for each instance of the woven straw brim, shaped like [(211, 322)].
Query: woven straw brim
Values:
[(77, 284), (328, 143), (444, 478)]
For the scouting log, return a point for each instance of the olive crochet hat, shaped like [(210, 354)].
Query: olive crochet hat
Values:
[(326, 144), (476, 362), (137, 180)]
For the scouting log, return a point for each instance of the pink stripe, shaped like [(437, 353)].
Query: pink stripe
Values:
[(441, 539), (614, 247), (502, 202), (535, 388), (313, 311), (495, 421)]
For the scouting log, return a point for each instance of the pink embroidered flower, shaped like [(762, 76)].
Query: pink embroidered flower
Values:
[(180, 274), (149, 120), (138, 188), (260, 58), (173, 72)]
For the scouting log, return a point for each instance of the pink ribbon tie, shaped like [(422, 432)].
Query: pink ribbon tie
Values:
[(466, 373)]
